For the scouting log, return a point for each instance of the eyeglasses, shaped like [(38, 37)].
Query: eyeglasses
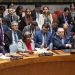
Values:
[(45, 9), (28, 11), (14, 25)]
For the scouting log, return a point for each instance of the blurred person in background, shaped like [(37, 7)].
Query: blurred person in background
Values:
[(37, 15), (26, 20), (10, 5), (36, 12), (11, 16), (2, 10), (47, 15), (19, 11), (3, 29), (55, 22), (65, 17), (31, 28), (72, 10)]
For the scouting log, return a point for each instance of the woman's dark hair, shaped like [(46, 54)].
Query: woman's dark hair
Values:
[(27, 9), (2, 8), (71, 5), (37, 5), (66, 8), (9, 5), (34, 23), (18, 9), (46, 25), (46, 7)]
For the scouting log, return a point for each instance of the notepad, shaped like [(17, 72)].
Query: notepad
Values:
[(43, 50), (4, 57)]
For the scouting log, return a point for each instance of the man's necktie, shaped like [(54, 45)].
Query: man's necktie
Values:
[(1, 32), (15, 37), (11, 18), (44, 40), (63, 41)]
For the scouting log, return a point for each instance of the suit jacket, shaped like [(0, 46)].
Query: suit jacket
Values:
[(5, 28), (8, 38), (73, 41), (29, 28), (33, 14), (38, 39), (62, 20), (57, 43), (7, 19), (22, 23)]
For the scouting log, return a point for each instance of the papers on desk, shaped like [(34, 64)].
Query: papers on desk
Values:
[(39, 50), (4, 57)]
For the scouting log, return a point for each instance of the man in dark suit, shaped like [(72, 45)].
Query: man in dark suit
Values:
[(3, 29), (31, 28), (42, 38), (65, 20), (65, 17), (35, 13), (12, 37), (11, 16), (60, 41)]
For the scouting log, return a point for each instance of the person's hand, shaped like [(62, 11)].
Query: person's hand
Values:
[(65, 26), (69, 45), (41, 46), (30, 52)]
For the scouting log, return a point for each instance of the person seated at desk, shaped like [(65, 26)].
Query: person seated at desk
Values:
[(26, 44), (42, 38), (3, 28), (60, 40), (2, 40), (31, 28), (12, 36)]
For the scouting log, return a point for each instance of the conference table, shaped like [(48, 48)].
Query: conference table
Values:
[(59, 64)]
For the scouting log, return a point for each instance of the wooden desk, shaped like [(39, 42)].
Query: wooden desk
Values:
[(48, 65)]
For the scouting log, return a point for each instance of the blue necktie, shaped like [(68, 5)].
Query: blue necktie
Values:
[(11, 18), (45, 41), (1, 34), (15, 37), (63, 41)]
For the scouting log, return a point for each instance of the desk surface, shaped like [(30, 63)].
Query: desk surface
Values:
[(57, 57), (59, 64)]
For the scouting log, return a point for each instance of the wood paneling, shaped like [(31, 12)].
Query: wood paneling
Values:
[(47, 65)]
